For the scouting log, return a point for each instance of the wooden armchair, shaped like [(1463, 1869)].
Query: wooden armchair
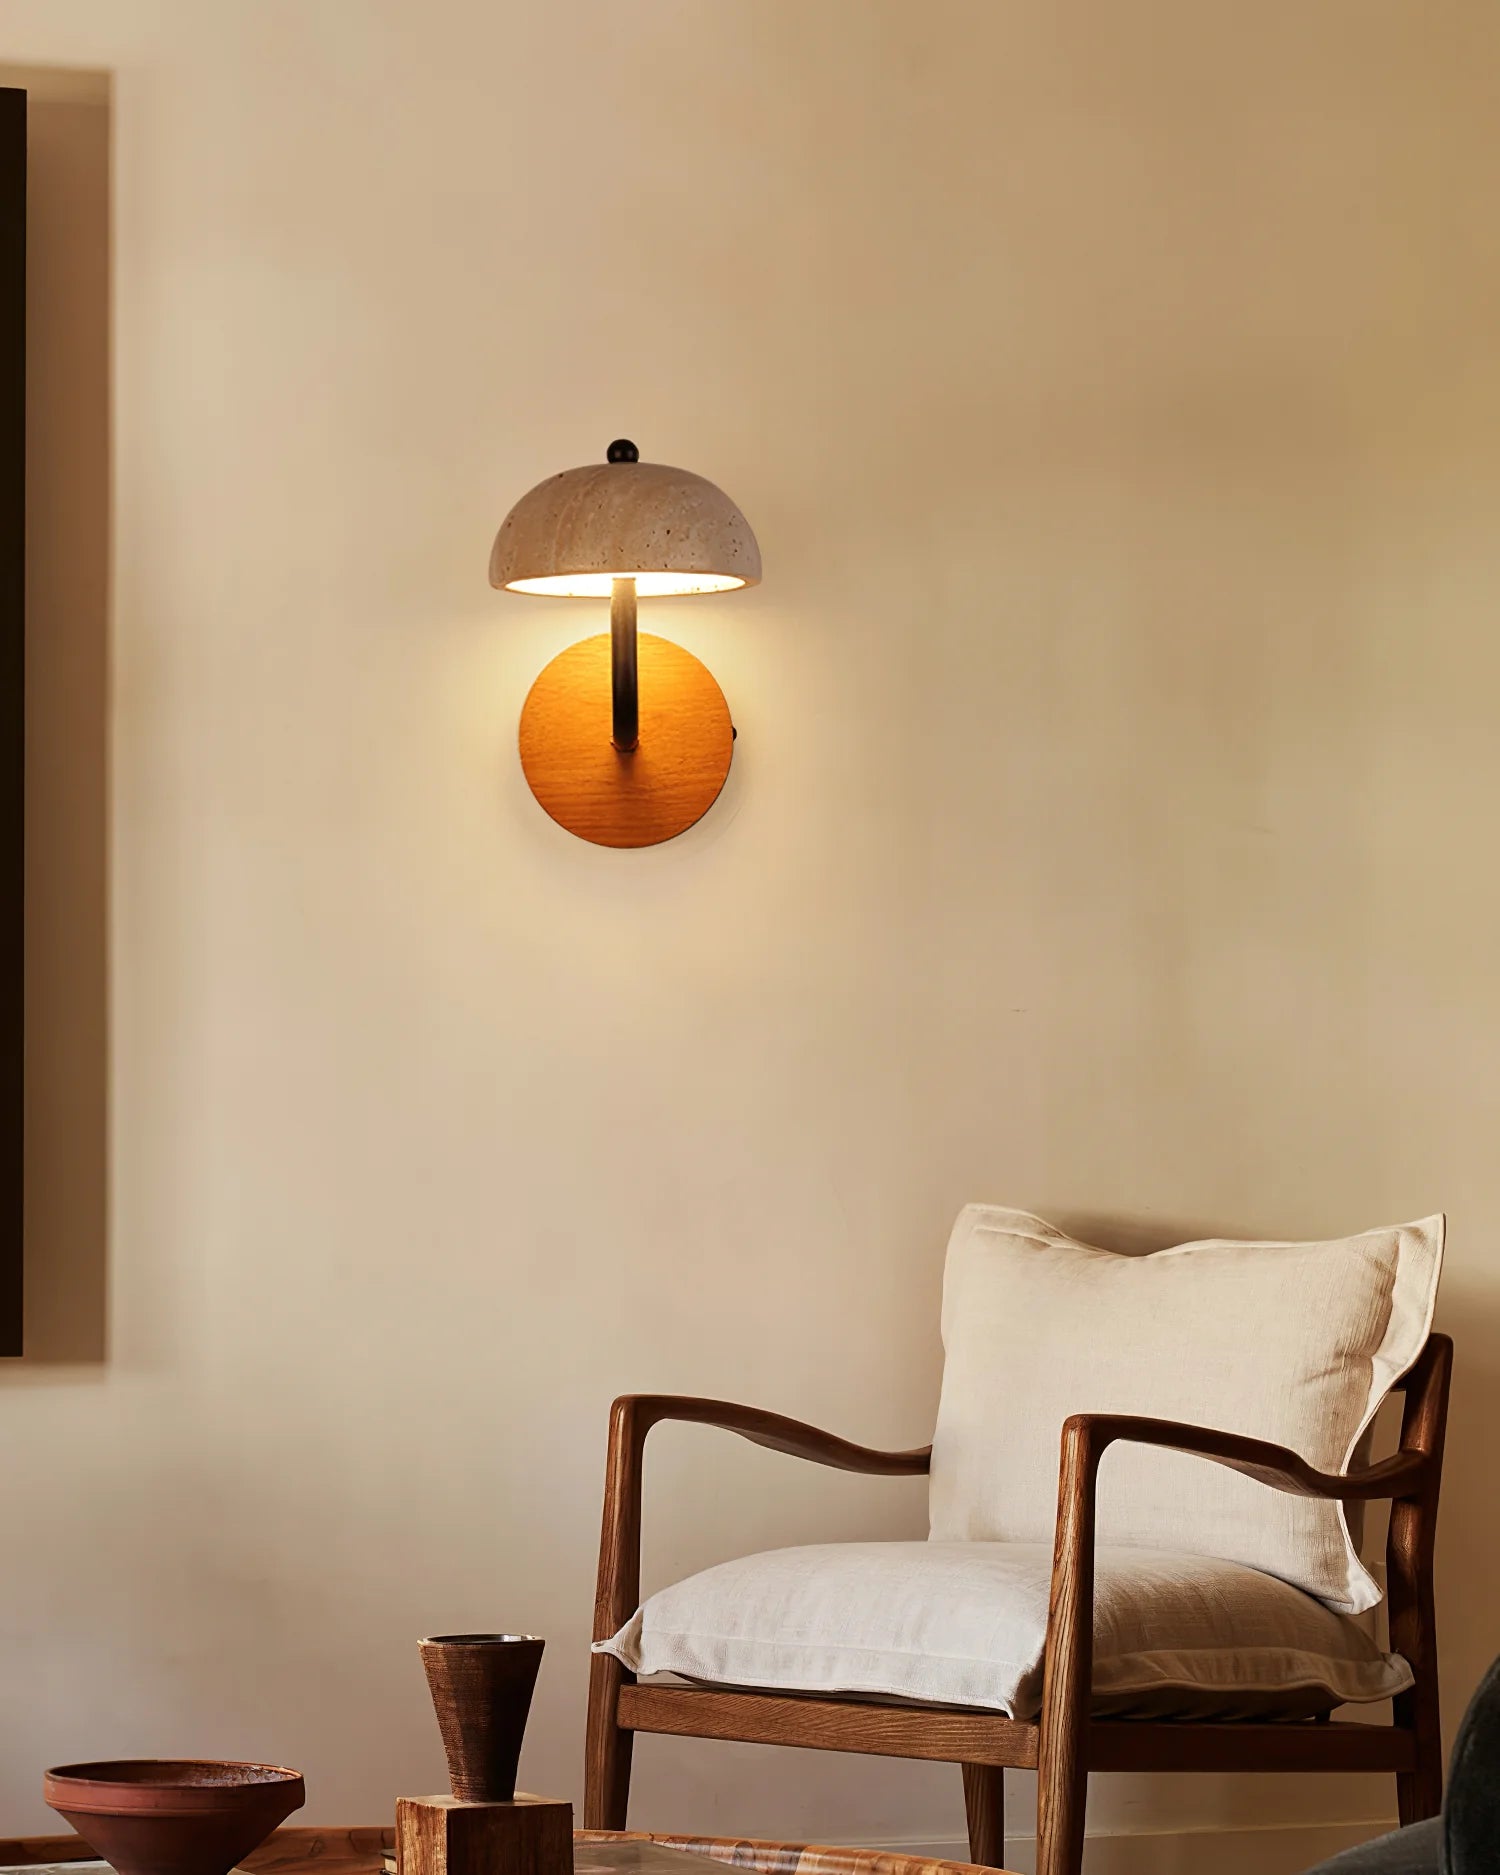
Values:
[(1066, 1741)]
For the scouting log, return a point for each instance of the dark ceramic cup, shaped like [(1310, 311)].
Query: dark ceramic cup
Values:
[(173, 1816), (481, 1686)]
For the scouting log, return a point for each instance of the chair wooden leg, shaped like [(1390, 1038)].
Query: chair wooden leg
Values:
[(1419, 1792), (1062, 1778), (984, 1806), (1061, 1795), (1408, 1563), (607, 1754)]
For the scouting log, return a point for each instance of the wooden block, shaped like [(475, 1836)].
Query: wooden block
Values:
[(445, 1836), (658, 789)]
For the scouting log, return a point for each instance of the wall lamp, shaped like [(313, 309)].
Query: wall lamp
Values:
[(625, 738)]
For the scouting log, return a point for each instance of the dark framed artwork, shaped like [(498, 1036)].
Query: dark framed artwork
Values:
[(12, 703)]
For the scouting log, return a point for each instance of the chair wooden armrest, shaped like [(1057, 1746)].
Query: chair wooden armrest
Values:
[(618, 1589), (1410, 1478), (632, 1417), (1087, 1436)]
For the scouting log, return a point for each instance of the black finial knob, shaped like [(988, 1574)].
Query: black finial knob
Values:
[(622, 450)]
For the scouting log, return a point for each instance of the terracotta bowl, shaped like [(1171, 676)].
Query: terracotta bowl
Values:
[(173, 1816)]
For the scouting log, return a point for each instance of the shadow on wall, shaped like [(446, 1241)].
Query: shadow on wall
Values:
[(1136, 1236), (67, 712)]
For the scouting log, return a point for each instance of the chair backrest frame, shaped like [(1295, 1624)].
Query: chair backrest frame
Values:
[(1409, 1551)]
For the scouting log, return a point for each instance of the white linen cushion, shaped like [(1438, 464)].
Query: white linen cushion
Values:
[(965, 1624), (1292, 1342)]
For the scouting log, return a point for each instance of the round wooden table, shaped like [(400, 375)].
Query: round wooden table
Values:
[(630, 1852), (302, 1851)]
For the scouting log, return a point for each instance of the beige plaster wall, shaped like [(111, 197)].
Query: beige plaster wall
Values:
[(1115, 393)]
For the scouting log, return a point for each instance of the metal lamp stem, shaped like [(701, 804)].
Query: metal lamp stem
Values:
[(624, 682)]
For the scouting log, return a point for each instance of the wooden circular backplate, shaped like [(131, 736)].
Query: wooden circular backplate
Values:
[(662, 786)]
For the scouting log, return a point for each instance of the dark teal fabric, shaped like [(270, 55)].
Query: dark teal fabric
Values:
[(1413, 1851), (1471, 1809)]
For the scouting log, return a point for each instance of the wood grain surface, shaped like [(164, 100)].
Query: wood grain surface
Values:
[(771, 1858), (524, 1835), (286, 1851), (1408, 1578), (650, 793), (984, 1813), (944, 1734), (358, 1851)]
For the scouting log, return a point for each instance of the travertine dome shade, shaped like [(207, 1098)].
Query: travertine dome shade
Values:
[(667, 529)]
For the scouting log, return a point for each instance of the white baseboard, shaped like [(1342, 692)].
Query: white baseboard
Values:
[(1275, 1849)]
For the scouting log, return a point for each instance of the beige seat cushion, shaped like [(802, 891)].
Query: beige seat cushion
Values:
[(1292, 1342), (965, 1624)]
